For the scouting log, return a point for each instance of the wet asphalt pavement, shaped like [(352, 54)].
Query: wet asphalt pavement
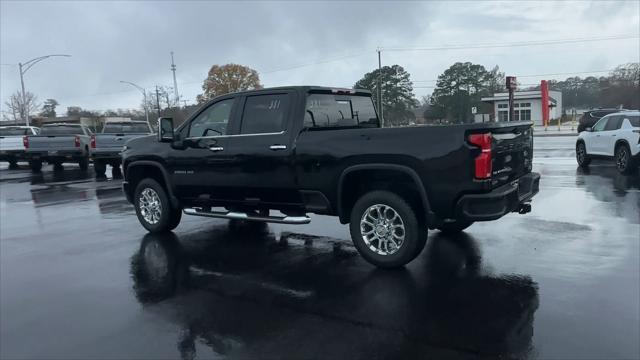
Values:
[(80, 278)]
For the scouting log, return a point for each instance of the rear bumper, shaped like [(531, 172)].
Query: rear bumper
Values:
[(6, 155), (106, 154), (499, 202), (59, 155)]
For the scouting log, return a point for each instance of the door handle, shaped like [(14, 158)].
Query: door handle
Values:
[(278, 147), (613, 135), (216, 148)]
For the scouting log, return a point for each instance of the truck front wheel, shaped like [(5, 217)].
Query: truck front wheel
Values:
[(153, 208), (385, 229)]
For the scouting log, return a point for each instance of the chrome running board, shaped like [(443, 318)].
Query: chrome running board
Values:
[(293, 220)]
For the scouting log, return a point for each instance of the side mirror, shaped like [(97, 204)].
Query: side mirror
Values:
[(165, 129)]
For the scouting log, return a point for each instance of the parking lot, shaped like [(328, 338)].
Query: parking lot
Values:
[(80, 278)]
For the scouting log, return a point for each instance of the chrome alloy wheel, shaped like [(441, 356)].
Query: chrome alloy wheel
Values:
[(382, 229), (150, 206)]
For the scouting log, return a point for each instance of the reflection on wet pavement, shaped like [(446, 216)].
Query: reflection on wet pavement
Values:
[(456, 306)]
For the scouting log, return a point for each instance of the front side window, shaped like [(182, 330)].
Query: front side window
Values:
[(212, 121), (264, 114), (599, 126), (613, 123), (330, 110)]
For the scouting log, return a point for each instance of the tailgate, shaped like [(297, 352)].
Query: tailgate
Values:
[(512, 152), (52, 142), (114, 141), (11, 143)]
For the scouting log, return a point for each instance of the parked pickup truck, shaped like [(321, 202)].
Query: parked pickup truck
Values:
[(107, 146), (12, 147), (57, 144), (300, 150)]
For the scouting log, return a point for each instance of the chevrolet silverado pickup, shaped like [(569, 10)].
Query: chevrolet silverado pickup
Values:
[(12, 147), (106, 147), (57, 144), (276, 155)]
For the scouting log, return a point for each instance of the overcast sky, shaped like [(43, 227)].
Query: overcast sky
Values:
[(336, 41)]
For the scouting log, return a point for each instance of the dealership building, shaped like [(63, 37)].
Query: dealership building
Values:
[(527, 105)]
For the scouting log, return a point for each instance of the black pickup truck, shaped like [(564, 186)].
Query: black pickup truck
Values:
[(275, 155)]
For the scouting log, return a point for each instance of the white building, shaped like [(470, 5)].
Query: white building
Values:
[(527, 105)]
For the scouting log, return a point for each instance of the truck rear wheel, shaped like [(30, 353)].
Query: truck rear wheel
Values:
[(385, 229), (99, 167), (84, 164), (36, 165), (153, 208)]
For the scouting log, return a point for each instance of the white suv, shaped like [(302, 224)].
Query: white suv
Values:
[(615, 136)]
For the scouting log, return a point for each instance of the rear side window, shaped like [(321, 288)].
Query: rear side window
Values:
[(264, 114), (124, 128), (61, 130), (329, 110), (14, 132), (613, 123), (634, 120)]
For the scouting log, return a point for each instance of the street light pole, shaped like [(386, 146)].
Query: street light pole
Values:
[(24, 67), (144, 93)]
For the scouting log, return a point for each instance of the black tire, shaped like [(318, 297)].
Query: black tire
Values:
[(454, 227), (99, 167), (167, 216), (57, 166), (174, 218), (624, 161), (35, 165), (582, 157), (83, 163), (415, 235), (13, 165), (115, 171)]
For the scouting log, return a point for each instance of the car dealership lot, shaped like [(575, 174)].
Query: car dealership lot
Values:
[(80, 278)]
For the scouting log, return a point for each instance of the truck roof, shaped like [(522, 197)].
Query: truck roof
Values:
[(306, 88)]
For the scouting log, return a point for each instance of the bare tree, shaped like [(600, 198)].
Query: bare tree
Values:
[(15, 109)]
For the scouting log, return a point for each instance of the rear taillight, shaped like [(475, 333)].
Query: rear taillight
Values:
[(93, 141), (25, 142), (483, 160), (77, 141)]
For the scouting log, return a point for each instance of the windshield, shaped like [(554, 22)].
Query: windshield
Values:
[(61, 130), (14, 131), (124, 128), (330, 110)]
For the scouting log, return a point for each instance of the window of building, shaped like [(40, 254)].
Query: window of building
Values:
[(525, 115), (503, 106), (503, 116), (264, 114)]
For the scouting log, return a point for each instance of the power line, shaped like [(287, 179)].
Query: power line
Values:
[(536, 75), (518, 44)]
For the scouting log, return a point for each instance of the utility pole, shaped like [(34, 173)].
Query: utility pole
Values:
[(379, 50), (158, 100), (175, 83), (24, 109)]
